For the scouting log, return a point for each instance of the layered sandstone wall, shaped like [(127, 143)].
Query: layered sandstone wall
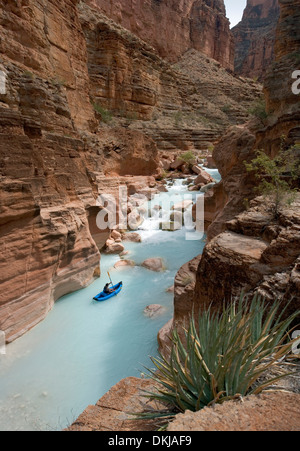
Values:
[(46, 38), (255, 38), (185, 106), (251, 250), (172, 27), (53, 163), (248, 249)]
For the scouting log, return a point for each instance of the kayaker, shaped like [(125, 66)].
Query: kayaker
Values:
[(108, 290)]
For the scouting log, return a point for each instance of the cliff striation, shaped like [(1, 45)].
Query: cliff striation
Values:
[(251, 250), (173, 27), (254, 38), (53, 162), (182, 106)]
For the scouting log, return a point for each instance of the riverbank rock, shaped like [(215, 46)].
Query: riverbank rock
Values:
[(154, 264), (210, 163), (154, 310), (256, 254), (206, 188), (196, 169), (185, 282), (184, 288), (124, 253), (269, 412), (170, 289), (177, 164), (115, 235), (113, 412), (203, 177)]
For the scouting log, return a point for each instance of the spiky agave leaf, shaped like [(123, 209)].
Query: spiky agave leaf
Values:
[(222, 356)]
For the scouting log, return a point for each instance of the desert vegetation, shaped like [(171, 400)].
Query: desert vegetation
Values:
[(220, 357)]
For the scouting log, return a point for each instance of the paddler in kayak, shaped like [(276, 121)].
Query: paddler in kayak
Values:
[(108, 290)]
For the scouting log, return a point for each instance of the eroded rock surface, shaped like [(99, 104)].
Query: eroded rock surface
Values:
[(114, 411), (255, 38), (173, 27), (270, 412)]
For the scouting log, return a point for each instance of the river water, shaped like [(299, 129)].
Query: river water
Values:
[(83, 348)]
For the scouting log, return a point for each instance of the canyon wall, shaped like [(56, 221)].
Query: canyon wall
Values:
[(172, 27), (185, 106), (250, 249), (67, 67), (53, 163), (255, 38)]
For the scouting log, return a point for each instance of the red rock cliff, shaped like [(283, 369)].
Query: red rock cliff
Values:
[(254, 251), (249, 250), (52, 161), (172, 27), (255, 37)]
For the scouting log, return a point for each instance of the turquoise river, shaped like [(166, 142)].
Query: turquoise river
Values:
[(83, 348)]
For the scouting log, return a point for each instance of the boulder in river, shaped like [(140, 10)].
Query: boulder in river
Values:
[(203, 177), (154, 310), (124, 264), (183, 205), (133, 237), (154, 264), (135, 220), (170, 226), (113, 247)]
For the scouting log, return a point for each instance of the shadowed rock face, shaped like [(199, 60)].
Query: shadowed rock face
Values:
[(255, 38), (53, 163), (172, 27)]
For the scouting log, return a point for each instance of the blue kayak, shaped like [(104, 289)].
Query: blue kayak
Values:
[(104, 296)]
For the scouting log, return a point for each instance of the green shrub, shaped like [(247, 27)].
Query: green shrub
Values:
[(258, 110), (275, 176), (178, 118), (105, 114), (58, 81), (222, 357), (188, 157), (294, 56), (226, 108), (28, 74)]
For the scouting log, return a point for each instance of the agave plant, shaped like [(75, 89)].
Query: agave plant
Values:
[(222, 356)]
